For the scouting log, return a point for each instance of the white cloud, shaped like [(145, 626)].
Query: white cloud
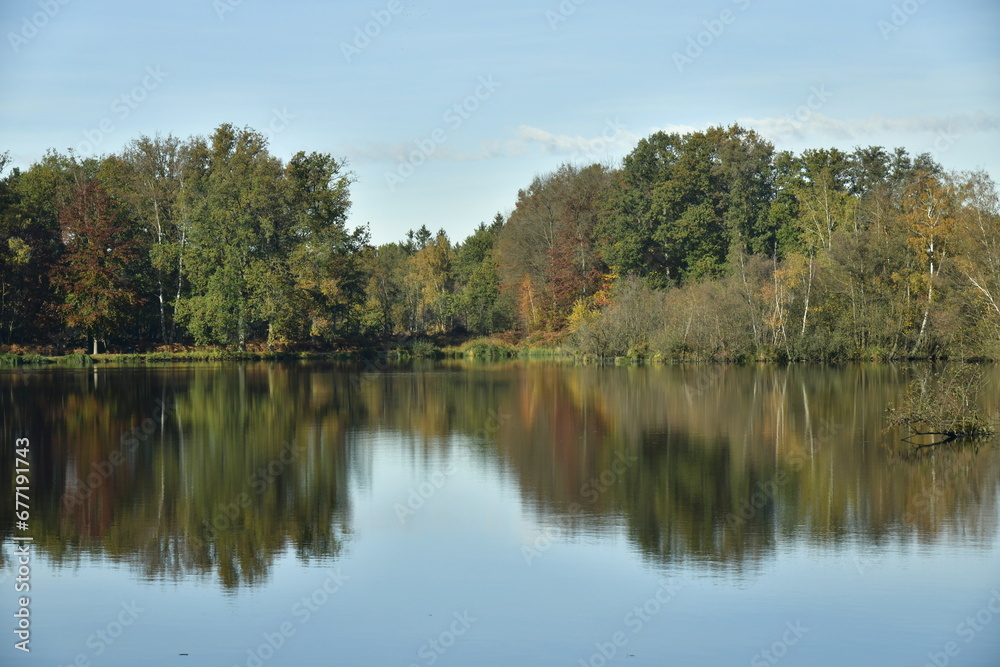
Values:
[(613, 139), (816, 125)]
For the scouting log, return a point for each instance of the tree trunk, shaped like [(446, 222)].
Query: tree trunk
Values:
[(159, 274), (95, 344), (180, 283), (930, 297), (809, 283)]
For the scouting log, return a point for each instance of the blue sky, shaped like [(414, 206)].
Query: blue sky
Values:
[(537, 83)]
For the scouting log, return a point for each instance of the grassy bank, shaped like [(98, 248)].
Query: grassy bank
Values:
[(494, 348)]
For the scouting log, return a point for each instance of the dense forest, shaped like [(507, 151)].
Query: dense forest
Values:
[(706, 245)]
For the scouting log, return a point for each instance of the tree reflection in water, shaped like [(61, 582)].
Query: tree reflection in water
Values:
[(704, 463)]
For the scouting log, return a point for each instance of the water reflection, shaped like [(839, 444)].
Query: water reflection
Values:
[(218, 471)]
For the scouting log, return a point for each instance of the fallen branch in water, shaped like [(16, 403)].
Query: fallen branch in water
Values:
[(943, 404)]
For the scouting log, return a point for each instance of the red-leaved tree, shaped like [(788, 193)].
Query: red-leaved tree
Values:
[(96, 276)]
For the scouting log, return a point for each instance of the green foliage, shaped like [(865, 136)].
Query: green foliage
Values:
[(9, 360), (703, 245), (683, 201), (34, 360), (488, 349), (481, 306), (423, 349), (78, 360)]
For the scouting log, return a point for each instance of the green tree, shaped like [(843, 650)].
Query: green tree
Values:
[(238, 220), (480, 306), (684, 201), (388, 308), (324, 256), (148, 178)]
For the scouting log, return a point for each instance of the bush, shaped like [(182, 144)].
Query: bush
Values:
[(944, 403), (34, 360), (78, 360), (424, 349), (10, 360), (625, 327), (488, 349)]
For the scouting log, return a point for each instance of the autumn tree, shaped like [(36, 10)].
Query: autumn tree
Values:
[(96, 273), (978, 236), (929, 217), (430, 272), (31, 244), (547, 252)]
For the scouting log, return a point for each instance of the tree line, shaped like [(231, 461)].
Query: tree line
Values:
[(701, 245)]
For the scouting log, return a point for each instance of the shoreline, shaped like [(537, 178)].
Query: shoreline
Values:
[(473, 350)]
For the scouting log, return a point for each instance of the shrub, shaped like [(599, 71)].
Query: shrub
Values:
[(34, 360), (424, 349), (488, 349), (78, 360), (944, 403)]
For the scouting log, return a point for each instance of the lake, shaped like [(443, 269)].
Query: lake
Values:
[(514, 513)]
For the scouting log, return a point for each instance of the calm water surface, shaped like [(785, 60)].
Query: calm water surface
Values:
[(512, 514)]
